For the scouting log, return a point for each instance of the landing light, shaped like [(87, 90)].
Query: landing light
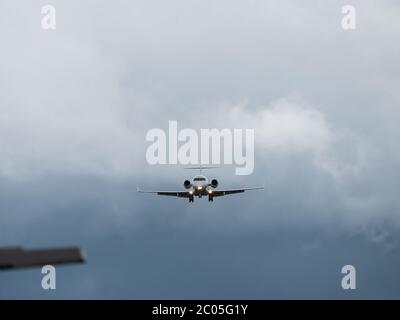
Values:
[(190, 192), (209, 191), (200, 188)]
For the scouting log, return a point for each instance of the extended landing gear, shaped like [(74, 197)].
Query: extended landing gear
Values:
[(191, 199), (210, 198)]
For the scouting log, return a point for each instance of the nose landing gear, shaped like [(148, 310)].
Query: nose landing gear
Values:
[(191, 199), (210, 198)]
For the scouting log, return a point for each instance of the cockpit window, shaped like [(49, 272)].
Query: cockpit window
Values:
[(199, 179)]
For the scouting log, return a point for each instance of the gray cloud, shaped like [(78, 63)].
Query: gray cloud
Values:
[(76, 103)]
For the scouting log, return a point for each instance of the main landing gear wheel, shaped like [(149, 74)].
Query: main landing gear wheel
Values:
[(210, 199), (191, 199)]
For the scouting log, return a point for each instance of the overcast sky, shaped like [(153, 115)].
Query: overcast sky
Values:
[(76, 103)]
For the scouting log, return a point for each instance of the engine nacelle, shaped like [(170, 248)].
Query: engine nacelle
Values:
[(214, 183), (187, 184)]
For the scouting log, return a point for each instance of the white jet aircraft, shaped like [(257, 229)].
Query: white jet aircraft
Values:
[(200, 186)]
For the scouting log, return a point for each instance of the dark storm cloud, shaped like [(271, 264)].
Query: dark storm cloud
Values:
[(77, 102)]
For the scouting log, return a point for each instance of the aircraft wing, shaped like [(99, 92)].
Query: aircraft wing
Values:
[(180, 194), (220, 193), (17, 257)]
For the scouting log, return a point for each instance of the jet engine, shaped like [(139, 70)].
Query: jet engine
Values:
[(214, 183), (187, 184)]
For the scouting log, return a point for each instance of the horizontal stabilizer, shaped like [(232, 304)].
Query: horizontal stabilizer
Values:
[(17, 257)]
